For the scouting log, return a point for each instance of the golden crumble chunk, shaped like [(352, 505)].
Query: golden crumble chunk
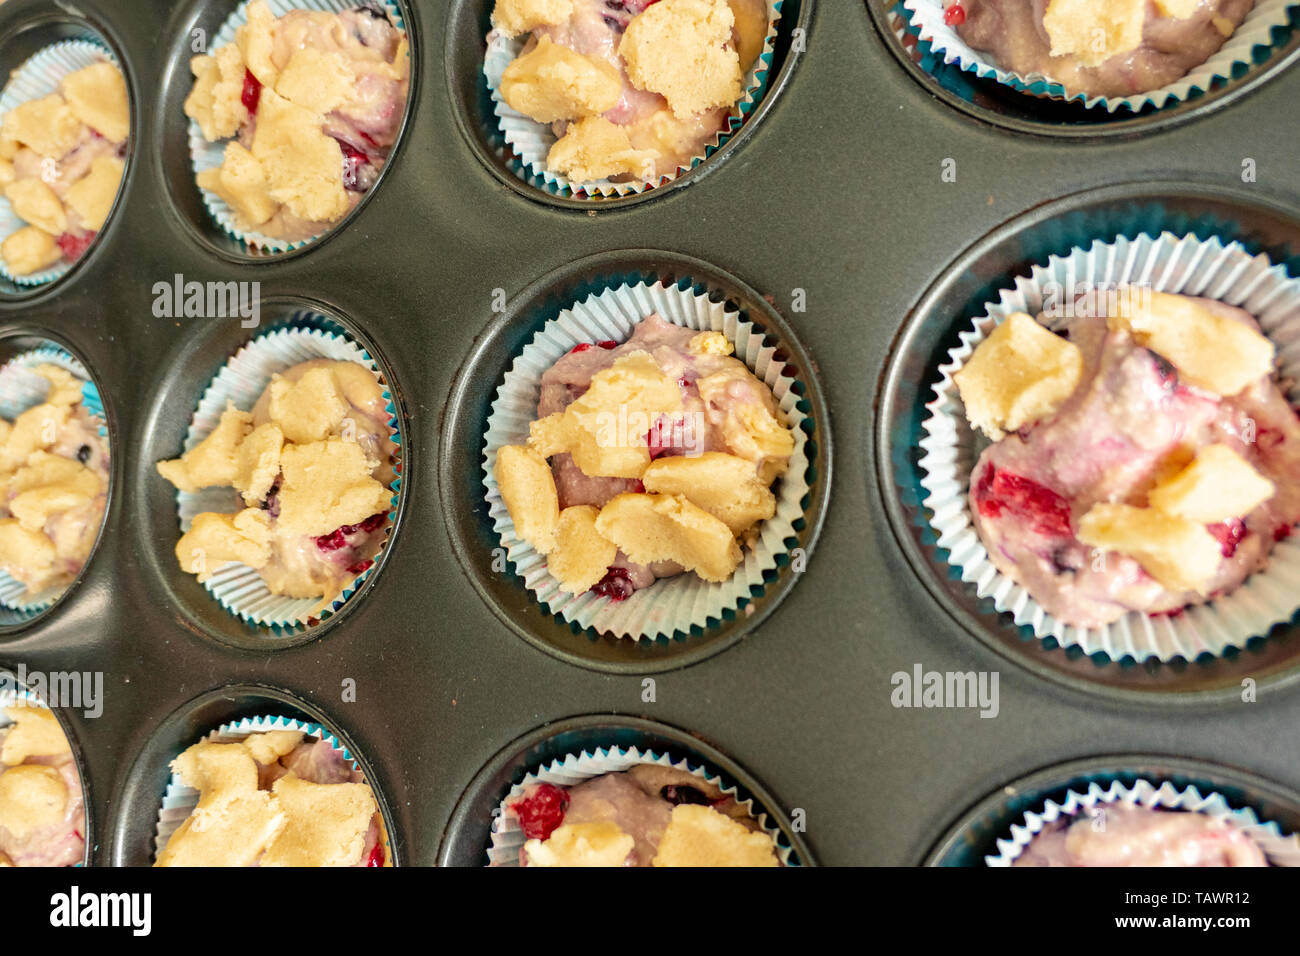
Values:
[(513, 17), (581, 844), (552, 82), (652, 528), (581, 555), (29, 250), (594, 148), (97, 95), (528, 491), (92, 196), (216, 539), (701, 836), (682, 50)]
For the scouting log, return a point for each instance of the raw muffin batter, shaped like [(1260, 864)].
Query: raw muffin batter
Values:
[(278, 798), (633, 88), (54, 472), (1099, 47), (1126, 835), (41, 816), (649, 815), (61, 162), (314, 103), (662, 453), (313, 462), (1144, 462)]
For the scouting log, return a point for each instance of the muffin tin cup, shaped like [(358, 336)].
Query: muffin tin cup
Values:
[(531, 141), (238, 588), (13, 694), (39, 76), (1236, 56), (508, 837), (205, 155), (1211, 268), (576, 748), (1281, 849), (21, 389), (978, 837), (684, 602), (180, 800)]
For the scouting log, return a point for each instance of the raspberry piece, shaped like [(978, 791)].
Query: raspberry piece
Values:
[(376, 857), (615, 585), (955, 15), (1282, 532), (1229, 534), (542, 811), (999, 492), (251, 94), (333, 541), (608, 344), (73, 245), (662, 438), (374, 522), (361, 566)]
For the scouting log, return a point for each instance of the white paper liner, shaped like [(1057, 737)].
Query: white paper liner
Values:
[(1255, 30), (205, 155), (508, 837), (179, 800), (672, 604), (40, 75), (1209, 268), (1281, 849), (11, 694), (239, 588), (531, 141), (21, 389)]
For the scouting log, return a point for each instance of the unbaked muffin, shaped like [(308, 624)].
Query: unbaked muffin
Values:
[(311, 104), (61, 162), (634, 89), (312, 462), (42, 816)]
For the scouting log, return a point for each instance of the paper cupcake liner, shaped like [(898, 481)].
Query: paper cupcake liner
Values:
[(40, 75), (205, 155), (239, 588), (21, 389), (1281, 849), (1209, 268), (1236, 55), (179, 800), (530, 141), (674, 604), (11, 694), (508, 837)]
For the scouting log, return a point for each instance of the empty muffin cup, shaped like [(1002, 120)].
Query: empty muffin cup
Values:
[(934, 24), (180, 800), (205, 155), (1278, 848), (38, 77), (675, 604), (21, 389), (239, 588), (530, 141), (950, 446), (508, 836)]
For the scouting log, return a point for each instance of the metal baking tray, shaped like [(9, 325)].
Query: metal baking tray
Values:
[(826, 218)]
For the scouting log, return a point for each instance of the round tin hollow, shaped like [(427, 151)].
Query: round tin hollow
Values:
[(975, 834), (468, 834), (931, 329), (460, 475)]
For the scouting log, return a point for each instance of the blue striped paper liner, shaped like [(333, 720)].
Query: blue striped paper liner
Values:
[(1263, 27), (675, 604), (526, 142), (18, 395), (1187, 265), (508, 838), (38, 76), (237, 587), (179, 800), (206, 155), (1281, 849), (11, 694)]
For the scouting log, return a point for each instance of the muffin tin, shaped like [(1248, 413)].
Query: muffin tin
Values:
[(827, 218)]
